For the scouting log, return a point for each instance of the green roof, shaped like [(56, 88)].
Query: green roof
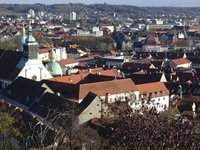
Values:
[(54, 68)]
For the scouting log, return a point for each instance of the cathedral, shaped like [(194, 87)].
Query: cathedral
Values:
[(25, 64)]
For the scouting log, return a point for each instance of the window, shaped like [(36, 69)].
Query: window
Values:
[(34, 77)]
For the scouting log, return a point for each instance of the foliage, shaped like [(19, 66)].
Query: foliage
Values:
[(95, 43), (43, 41), (11, 44), (7, 131), (150, 131)]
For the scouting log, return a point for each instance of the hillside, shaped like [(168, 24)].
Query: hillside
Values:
[(98, 9)]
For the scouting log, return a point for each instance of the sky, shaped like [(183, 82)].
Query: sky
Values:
[(175, 3)]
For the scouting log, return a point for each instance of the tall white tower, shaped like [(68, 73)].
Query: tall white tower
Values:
[(31, 13), (72, 16), (22, 39)]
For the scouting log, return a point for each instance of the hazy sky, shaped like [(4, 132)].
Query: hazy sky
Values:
[(181, 3)]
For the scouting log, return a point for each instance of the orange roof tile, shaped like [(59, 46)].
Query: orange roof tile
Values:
[(74, 79), (152, 87), (180, 61), (107, 87), (67, 61), (195, 28)]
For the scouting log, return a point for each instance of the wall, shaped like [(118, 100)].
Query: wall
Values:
[(34, 69), (43, 56), (92, 111), (158, 102)]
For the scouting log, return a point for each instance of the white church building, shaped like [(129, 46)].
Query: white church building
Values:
[(25, 64)]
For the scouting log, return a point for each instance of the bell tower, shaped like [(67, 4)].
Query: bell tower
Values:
[(29, 65), (30, 46)]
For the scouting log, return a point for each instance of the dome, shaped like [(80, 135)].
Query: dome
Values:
[(54, 68)]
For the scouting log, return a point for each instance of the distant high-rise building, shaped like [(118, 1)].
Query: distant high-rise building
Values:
[(31, 13), (41, 14), (72, 16)]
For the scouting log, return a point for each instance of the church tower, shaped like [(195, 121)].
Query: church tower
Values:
[(22, 40), (29, 65), (30, 46)]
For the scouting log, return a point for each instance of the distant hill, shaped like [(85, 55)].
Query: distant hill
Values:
[(98, 9)]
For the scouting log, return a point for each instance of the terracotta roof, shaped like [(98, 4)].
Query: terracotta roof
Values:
[(70, 79), (74, 79), (108, 87), (195, 28), (152, 88), (44, 50), (181, 43), (67, 61), (150, 40), (180, 61)]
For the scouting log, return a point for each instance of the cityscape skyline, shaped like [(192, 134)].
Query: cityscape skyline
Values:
[(176, 3)]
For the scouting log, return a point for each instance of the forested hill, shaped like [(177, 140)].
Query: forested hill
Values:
[(102, 9)]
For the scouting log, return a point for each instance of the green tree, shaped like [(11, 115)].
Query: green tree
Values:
[(7, 131)]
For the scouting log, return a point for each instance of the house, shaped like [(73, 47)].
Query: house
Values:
[(43, 53), (67, 64), (195, 62), (109, 88), (187, 105), (180, 62), (142, 77), (152, 95), (187, 89), (110, 91), (130, 67), (39, 101), (91, 107), (25, 92), (150, 44)]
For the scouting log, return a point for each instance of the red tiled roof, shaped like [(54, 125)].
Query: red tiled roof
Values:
[(150, 40), (180, 61), (75, 60), (181, 43), (195, 28), (107, 87), (152, 87), (74, 79)]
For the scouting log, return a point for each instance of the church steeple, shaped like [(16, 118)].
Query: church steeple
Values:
[(30, 46), (22, 39)]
